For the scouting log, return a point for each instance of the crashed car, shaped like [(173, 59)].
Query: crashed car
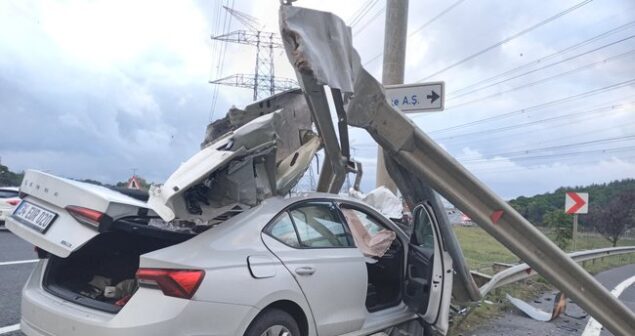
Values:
[(225, 247), (306, 265), (221, 249)]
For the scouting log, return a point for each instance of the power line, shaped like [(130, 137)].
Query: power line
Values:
[(557, 53), (540, 81), (363, 12), (537, 107), (221, 58), (369, 21), (425, 24), (543, 67), (547, 156), (551, 148), (514, 36), (585, 114), (515, 169)]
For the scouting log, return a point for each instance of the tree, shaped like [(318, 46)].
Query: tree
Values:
[(562, 226), (9, 178), (616, 217)]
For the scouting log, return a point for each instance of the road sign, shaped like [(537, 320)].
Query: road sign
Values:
[(576, 203), (419, 97)]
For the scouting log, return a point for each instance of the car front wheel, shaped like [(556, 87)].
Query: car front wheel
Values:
[(273, 322)]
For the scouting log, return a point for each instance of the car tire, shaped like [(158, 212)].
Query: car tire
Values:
[(273, 322)]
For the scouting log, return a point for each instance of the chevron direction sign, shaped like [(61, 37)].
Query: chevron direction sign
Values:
[(576, 203)]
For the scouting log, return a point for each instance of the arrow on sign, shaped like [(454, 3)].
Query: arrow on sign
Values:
[(578, 203), (433, 97)]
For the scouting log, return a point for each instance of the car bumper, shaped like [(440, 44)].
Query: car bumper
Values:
[(148, 312)]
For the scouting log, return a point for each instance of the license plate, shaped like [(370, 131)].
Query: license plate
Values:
[(34, 216)]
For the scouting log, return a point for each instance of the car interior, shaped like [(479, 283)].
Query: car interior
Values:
[(385, 255)]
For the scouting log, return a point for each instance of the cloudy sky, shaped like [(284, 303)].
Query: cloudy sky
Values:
[(95, 89)]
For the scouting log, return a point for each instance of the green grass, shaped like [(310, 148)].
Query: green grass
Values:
[(481, 251)]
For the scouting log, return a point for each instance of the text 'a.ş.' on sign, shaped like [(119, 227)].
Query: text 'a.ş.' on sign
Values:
[(420, 97)]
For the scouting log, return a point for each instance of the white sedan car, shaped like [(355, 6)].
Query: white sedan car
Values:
[(8, 200), (316, 264)]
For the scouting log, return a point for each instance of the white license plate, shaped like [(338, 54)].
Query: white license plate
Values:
[(34, 216)]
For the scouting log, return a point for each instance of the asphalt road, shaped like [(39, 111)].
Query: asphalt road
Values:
[(515, 323), (12, 278)]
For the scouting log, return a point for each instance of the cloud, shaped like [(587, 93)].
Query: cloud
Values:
[(94, 89)]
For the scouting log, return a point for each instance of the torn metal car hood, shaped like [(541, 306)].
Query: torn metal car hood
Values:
[(265, 157)]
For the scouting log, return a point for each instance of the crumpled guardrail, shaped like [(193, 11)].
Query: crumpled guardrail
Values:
[(523, 271)]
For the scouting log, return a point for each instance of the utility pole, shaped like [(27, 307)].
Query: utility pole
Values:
[(395, 35)]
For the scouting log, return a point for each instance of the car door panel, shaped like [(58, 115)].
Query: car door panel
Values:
[(314, 244), (428, 280), (335, 288)]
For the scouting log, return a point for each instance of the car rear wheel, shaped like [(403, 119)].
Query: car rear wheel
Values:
[(273, 322)]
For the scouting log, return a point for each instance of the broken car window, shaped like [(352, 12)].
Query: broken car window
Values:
[(319, 226), (423, 234), (370, 236)]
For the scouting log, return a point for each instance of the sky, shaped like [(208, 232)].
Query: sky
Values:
[(99, 89)]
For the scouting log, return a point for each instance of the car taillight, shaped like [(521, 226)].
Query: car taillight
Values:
[(85, 215), (173, 282), (13, 202)]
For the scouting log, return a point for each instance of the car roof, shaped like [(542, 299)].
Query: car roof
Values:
[(278, 203)]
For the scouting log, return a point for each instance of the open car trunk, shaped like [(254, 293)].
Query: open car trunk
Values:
[(101, 274)]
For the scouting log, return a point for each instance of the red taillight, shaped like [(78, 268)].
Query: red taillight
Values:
[(13, 202), (173, 282), (85, 215)]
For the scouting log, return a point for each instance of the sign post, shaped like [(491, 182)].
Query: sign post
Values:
[(576, 203)]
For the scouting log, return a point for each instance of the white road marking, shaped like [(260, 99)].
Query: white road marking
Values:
[(8, 329), (17, 262), (593, 327)]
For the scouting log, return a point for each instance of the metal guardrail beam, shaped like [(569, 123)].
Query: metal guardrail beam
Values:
[(523, 271)]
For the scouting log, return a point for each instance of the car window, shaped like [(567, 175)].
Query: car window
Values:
[(282, 229), (423, 234), (8, 194), (320, 226), (370, 224)]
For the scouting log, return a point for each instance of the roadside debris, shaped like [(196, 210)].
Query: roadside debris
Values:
[(559, 306)]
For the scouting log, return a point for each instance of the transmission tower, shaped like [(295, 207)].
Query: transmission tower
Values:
[(263, 82)]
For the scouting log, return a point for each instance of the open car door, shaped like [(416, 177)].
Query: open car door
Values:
[(428, 282)]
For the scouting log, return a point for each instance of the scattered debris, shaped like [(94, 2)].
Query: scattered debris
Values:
[(559, 306)]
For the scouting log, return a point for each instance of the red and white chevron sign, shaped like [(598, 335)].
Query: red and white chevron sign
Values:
[(576, 203)]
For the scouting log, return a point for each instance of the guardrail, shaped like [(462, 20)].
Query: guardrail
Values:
[(523, 271)]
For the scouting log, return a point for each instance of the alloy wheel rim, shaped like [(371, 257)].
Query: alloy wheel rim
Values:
[(277, 330)]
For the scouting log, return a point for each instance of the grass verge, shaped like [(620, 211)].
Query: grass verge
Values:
[(481, 251)]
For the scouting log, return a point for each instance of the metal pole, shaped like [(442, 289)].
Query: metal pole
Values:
[(575, 230), (395, 35)]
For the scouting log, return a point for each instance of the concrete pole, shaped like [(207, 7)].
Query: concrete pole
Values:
[(395, 35)]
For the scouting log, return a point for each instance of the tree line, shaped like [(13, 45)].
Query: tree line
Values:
[(611, 210)]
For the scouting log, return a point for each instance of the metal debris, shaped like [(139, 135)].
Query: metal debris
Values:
[(559, 306)]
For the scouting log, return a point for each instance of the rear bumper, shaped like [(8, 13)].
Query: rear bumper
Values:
[(149, 312)]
